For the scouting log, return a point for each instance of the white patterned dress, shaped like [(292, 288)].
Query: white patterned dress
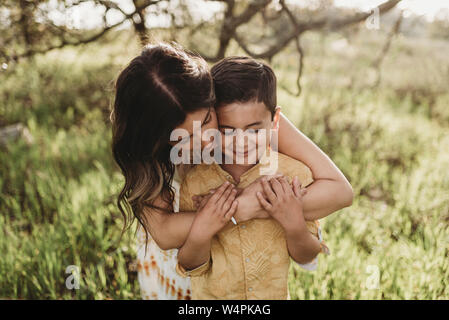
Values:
[(156, 270)]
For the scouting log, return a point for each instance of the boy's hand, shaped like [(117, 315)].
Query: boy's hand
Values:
[(283, 202), (216, 212)]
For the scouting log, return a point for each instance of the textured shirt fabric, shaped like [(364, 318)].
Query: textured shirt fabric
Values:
[(249, 260)]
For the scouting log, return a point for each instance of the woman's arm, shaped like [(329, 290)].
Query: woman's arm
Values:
[(168, 229), (330, 190)]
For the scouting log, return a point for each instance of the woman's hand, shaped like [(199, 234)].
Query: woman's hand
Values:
[(249, 206), (283, 202), (215, 212)]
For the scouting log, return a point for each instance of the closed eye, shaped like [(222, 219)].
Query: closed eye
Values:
[(252, 131), (227, 131), (208, 118)]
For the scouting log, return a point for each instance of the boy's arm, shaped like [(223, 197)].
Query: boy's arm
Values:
[(167, 228), (194, 255), (297, 240), (285, 206), (302, 245)]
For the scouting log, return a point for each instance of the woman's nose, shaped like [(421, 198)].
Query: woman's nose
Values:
[(212, 141)]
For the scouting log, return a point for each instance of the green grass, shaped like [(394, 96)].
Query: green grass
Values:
[(57, 204)]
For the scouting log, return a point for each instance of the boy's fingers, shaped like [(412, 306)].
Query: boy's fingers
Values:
[(217, 194), (228, 202), (285, 185), (295, 187), (277, 187), (203, 202), (268, 191), (233, 208), (211, 191), (303, 192), (224, 196), (276, 175), (264, 203), (297, 181)]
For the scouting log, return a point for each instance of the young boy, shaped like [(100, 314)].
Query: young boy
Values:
[(249, 260)]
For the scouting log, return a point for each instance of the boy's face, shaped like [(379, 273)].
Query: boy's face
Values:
[(252, 118)]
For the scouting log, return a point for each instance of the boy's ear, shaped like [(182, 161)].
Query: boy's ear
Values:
[(276, 117)]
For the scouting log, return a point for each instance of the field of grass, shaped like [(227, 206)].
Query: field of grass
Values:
[(57, 203)]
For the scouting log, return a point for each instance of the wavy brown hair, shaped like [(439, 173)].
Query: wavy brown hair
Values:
[(153, 95)]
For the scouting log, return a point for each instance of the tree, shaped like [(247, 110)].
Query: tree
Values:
[(29, 28)]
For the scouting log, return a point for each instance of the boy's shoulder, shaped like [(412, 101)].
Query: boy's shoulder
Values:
[(292, 167), (285, 159)]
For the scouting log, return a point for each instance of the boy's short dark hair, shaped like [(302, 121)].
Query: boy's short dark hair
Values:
[(243, 79)]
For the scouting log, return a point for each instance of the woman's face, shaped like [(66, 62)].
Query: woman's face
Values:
[(205, 119)]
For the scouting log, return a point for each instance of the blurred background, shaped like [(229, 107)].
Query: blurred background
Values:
[(367, 81)]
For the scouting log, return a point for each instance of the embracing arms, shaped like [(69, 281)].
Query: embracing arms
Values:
[(330, 191)]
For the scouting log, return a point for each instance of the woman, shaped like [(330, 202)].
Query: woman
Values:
[(162, 89)]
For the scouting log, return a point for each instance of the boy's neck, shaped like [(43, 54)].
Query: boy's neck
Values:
[(236, 170)]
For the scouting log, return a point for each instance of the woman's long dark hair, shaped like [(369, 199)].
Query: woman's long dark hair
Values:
[(153, 95)]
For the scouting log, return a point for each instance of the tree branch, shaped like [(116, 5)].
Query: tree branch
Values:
[(378, 61), (300, 27)]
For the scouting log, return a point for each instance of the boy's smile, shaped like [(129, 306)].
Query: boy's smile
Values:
[(241, 125)]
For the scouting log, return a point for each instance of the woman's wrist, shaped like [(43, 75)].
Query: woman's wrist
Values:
[(249, 208)]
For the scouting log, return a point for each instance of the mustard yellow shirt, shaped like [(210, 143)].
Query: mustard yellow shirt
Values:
[(249, 260)]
